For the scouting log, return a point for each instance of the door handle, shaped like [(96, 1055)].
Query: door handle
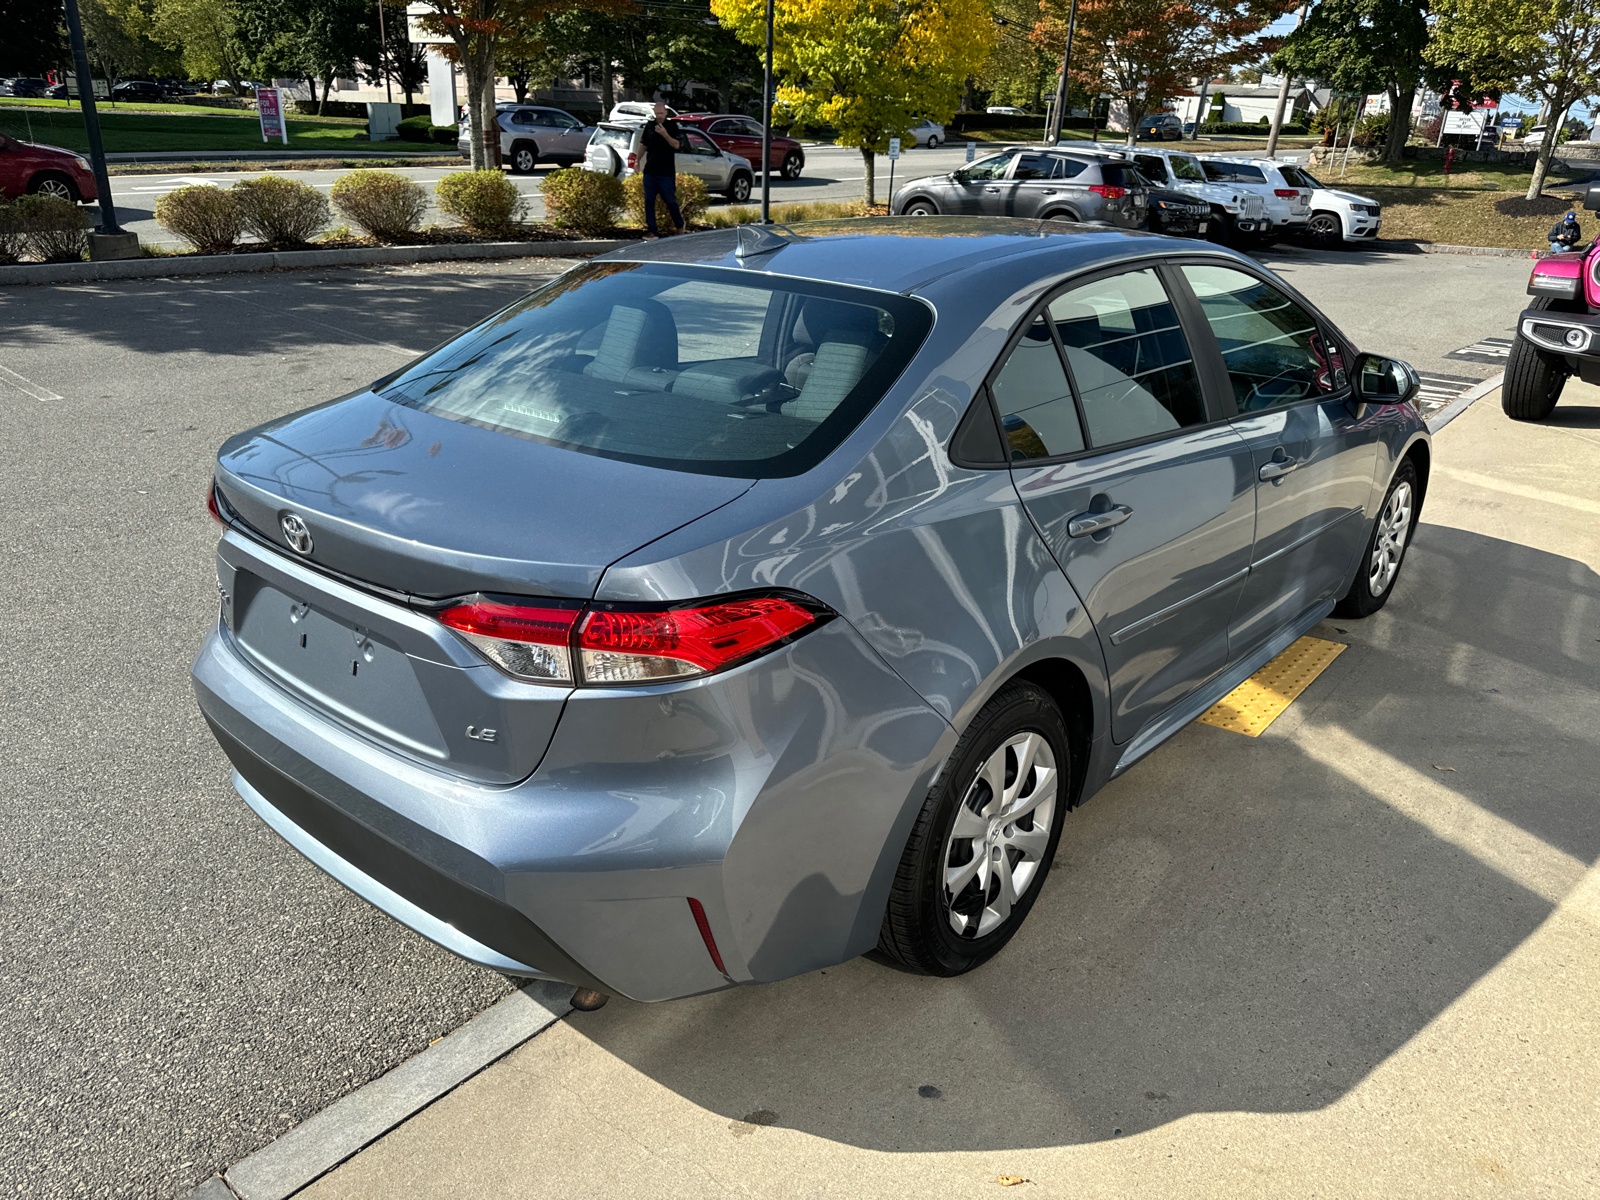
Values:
[(991, 189), (1049, 191), (1087, 523), (1277, 468)]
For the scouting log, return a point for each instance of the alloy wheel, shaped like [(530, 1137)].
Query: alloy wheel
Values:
[(740, 192), (58, 189), (1394, 524), (523, 161), (997, 842), (1324, 230)]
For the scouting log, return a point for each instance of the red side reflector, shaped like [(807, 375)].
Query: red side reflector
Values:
[(708, 637), (1108, 190), (705, 933), (211, 503), (1286, 193)]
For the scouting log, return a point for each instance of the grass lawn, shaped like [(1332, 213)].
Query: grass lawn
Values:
[(127, 106), (135, 132)]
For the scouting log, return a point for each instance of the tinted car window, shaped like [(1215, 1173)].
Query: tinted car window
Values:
[(1070, 167), (988, 168), (1233, 173), (667, 366), (697, 143), (1274, 351), (1128, 357), (1295, 178), (1152, 167), (1118, 175), (1187, 168), (1035, 400), (1034, 166)]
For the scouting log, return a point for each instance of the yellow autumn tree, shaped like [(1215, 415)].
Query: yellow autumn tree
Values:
[(871, 69)]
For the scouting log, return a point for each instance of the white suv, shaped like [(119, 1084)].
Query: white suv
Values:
[(1336, 217), (1233, 210), (1288, 205)]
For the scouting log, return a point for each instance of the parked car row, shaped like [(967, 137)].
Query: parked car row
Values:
[(1252, 201)]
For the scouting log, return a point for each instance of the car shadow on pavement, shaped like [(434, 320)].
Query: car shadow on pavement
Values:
[(1574, 417), (1237, 924)]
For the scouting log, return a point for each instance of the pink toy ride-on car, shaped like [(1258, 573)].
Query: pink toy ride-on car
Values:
[(1558, 335)]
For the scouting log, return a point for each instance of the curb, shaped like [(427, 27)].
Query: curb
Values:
[(1487, 251), (1463, 402), (340, 1131), (267, 260)]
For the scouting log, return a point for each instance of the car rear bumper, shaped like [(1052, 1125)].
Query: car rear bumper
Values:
[(778, 795)]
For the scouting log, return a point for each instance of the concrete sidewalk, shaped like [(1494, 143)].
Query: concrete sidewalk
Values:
[(1358, 956)]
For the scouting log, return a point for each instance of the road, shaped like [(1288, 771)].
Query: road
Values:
[(182, 987)]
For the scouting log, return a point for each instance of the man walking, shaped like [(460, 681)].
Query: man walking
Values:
[(660, 141)]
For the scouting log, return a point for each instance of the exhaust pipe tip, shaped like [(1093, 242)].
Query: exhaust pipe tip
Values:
[(587, 999)]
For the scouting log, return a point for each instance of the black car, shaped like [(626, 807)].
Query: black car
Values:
[(34, 89), (138, 89), (1176, 213)]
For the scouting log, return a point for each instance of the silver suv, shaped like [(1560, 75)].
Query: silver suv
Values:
[(1033, 181), (530, 133), (614, 149), (1234, 211)]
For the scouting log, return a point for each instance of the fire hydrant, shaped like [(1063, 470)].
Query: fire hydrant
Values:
[(1449, 159)]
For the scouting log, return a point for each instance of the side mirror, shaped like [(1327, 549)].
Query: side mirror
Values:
[(1382, 380), (1591, 198)]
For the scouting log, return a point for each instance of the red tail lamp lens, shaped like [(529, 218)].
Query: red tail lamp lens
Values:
[(705, 932), (633, 647), (528, 641), (633, 162), (1109, 190), (211, 503), (1286, 193)]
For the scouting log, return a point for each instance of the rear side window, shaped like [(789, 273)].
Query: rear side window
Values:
[(1233, 173), (1121, 176), (690, 369), (619, 138), (1034, 166), (1035, 400), (1152, 167), (1187, 168), (1295, 178), (1274, 352)]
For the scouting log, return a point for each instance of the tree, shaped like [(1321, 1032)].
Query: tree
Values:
[(397, 59), (1145, 51), (313, 40), (206, 34), (35, 39), (869, 68), (1364, 46), (1548, 48), (117, 37), (1019, 70)]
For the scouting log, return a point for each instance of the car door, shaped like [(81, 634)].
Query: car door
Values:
[(698, 155), (1035, 183), (1312, 455), (1142, 490), (571, 135), (979, 189), (730, 134)]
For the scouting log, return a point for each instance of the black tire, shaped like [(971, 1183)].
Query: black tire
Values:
[(1368, 593), (933, 143), (1534, 378), (1219, 228), (739, 189), (53, 183), (921, 208), (1325, 231), (1062, 215), (918, 930), (524, 157), (792, 165)]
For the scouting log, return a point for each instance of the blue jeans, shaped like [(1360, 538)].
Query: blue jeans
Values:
[(665, 186), (1561, 248)]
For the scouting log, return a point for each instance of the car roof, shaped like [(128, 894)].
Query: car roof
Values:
[(896, 254)]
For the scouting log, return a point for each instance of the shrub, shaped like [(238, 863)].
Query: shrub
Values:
[(280, 212), (483, 201), (422, 129), (583, 200), (387, 206), (12, 238), (206, 217), (53, 230), (692, 200)]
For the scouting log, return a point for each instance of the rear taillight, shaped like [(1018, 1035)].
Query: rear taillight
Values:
[(547, 642), (211, 503), (633, 162), (1109, 190), (529, 641), (1286, 193)]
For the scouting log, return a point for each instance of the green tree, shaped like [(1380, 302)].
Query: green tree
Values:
[(117, 37), (206, 35), (1019, 71), (1364, 46), (1548, 48), (313, 40), (869, 68)]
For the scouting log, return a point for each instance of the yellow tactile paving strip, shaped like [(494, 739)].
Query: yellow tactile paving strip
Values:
[(1261, 699)]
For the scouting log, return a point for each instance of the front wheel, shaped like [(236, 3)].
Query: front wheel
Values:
[(981, 847), (1386, 547), (1324, 231), (791, 165), (49, 183), (739, 189), (523, 159), (1533, 382), (921, 208), (933, 143)]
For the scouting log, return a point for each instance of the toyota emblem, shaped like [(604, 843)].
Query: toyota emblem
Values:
[(295, 533)]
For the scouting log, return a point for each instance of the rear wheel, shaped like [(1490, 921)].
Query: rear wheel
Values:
[(524, 157), (1062, 215), (739, 188), (1325, 231), (921, 208), (52, 183), (981, 847), (933, 143), (1386, 547), (791, 165), (1534, 377)]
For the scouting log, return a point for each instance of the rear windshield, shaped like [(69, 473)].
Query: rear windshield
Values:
[(612, 137), (1296, 178), (1122, 176), (691, 369)]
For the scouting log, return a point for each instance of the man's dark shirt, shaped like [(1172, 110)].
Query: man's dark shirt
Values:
[(659, 156), (1567, 235)]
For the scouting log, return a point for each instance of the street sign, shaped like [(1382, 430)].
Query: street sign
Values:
[(102, 89), (418, 35), (971, 146), (894, 147), (269, 105)]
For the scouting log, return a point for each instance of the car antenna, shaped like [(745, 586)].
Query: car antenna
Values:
[(762, 239)]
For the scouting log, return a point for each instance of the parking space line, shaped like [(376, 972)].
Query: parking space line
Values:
[(27, 387)]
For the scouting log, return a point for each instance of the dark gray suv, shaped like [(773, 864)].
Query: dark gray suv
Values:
[(1032, 182)]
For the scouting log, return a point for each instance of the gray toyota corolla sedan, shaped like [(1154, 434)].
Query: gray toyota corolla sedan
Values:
[(740, 603)]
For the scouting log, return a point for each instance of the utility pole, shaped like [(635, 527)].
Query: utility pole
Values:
[(1059, 109), (766, 127), (111, 240), (1283, 92), (383, 53)]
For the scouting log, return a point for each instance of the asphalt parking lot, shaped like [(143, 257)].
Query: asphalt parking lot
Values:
[(187, 988)]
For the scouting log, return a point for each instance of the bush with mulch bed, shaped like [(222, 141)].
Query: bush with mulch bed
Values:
[(1539, 206), (387, 206)]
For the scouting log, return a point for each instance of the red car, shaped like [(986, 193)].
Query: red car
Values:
[(742, 136), (44, 170)]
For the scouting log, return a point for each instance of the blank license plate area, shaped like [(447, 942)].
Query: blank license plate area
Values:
[(347, 671)]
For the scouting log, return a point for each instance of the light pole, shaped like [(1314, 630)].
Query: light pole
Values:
[(766, 127), (383, 53), (1059, 114), (111, 241)]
